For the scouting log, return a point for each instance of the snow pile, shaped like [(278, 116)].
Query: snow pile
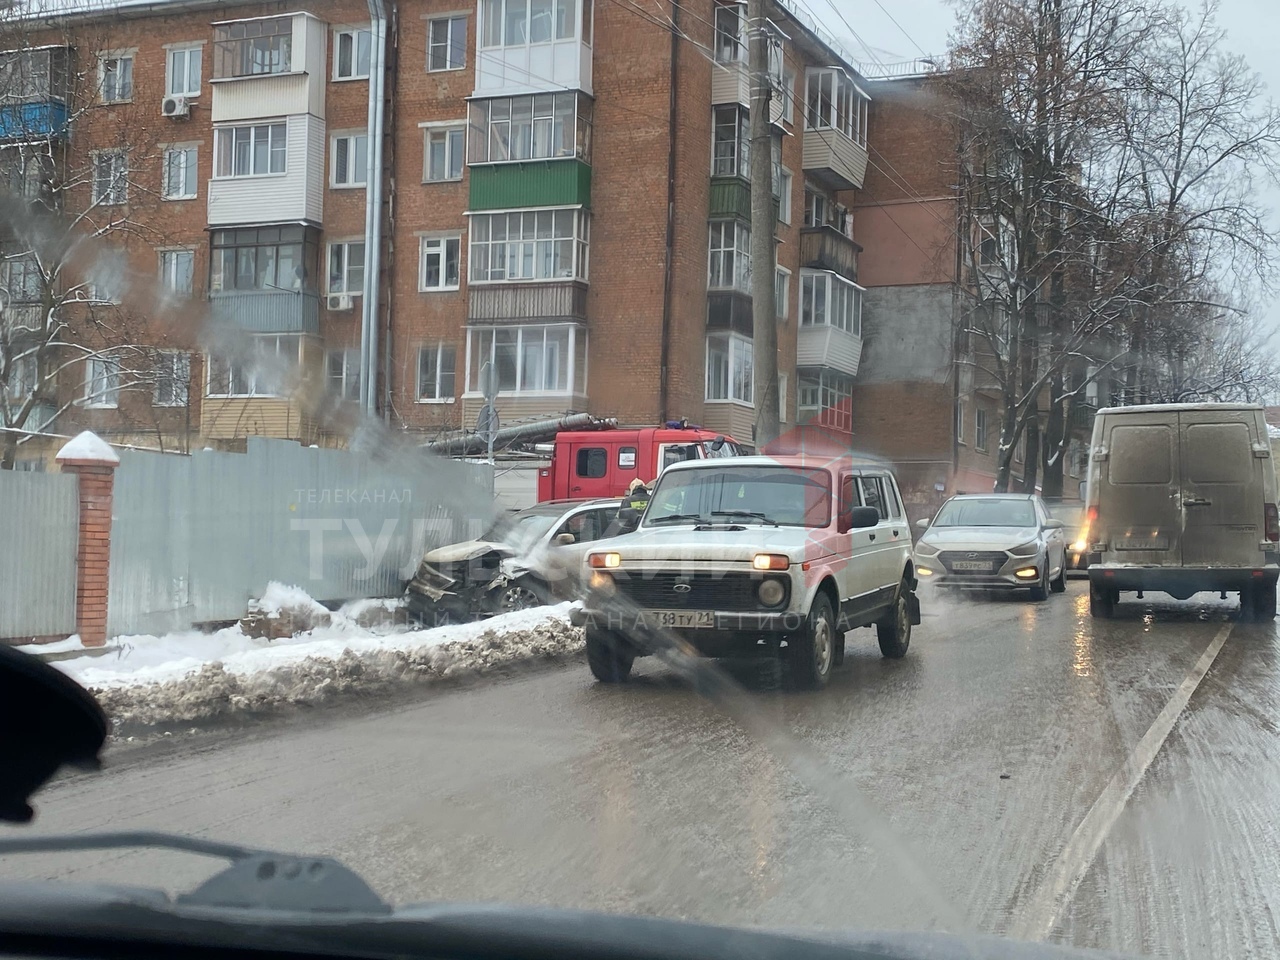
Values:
[(1273, 432), (186, 677)]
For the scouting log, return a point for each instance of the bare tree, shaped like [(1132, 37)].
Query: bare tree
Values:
[(75, 332)]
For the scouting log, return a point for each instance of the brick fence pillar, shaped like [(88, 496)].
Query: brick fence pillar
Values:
[(94, 463)]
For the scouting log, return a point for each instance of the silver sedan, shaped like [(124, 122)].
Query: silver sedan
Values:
[(994, 542)]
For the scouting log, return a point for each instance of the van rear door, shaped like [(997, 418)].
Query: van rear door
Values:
[(1139, 497), (1222, 488)]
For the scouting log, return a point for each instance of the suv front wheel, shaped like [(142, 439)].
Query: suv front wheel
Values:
[(610, 660), (894, 631), (813, 651)]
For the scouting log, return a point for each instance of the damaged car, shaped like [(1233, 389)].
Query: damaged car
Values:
[(514, 565)]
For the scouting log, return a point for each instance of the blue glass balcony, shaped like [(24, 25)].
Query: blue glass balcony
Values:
[(33, 121)]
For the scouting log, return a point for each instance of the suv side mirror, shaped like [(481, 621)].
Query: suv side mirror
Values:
[(923, 523), (862, 517), (565, 539)]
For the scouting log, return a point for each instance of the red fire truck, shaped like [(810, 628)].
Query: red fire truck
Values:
[(602, 463)]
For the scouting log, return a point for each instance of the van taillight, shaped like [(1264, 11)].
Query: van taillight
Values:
[(1273, 523), (1091, 516)]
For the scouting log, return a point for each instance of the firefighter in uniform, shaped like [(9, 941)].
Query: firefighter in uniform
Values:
[(637, 496)]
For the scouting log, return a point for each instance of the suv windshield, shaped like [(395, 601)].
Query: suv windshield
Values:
[(521, 531), (995, 512), (786, 496)]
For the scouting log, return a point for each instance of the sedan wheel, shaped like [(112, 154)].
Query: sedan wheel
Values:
[(1041, 590)]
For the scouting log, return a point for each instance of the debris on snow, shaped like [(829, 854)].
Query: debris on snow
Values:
[(283, 611)]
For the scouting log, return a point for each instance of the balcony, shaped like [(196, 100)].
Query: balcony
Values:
[(834, 159), (729, 310), (730, 83), (33, 121), (528, 51), (268, 67), (267, 312), (33, 103), (530, 183), (731, 197), (1082, 415), (527, 302), (828, 347), (826, 248)]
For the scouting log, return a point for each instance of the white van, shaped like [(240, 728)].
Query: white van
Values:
[(1182, 498)]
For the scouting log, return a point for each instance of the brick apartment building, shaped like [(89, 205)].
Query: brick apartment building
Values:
[(563, 194), (921, 400)]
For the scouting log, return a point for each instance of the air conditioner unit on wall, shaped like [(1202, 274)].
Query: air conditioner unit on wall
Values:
[(339, 301), (175, 106)]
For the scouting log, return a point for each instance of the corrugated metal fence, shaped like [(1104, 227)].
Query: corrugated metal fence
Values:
[(39, 516), (194, 538)]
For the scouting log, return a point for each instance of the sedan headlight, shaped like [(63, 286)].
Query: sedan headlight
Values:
[(1026, 549), (924, 549)]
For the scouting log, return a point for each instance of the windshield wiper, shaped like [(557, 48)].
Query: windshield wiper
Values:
[(746, 515), (676, 517)]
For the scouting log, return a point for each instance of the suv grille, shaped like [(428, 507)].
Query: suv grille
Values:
[(993, 560), (723, 591)]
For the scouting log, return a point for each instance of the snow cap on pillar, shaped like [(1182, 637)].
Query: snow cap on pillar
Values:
[(87, 447)]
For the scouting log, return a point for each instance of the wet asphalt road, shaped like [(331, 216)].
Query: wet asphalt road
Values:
[(998, 756)]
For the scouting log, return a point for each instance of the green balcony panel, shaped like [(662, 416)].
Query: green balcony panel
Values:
[(530, 183)]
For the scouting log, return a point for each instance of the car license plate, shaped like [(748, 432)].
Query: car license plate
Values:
[(971, 565), (683, 619), (1143, 543)]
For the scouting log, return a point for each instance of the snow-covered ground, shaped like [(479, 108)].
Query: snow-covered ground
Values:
[(190, 676)]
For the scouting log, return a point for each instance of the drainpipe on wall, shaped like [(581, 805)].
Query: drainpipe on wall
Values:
[(668, 280), (373, 211)]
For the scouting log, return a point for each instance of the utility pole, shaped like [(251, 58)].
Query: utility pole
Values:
[(764, 323)]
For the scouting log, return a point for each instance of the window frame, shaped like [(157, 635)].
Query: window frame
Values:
[(736, 258), (228, 48), (180, 385), (528, 249), (739, 164), (448, 130), (441, 349), (110, 395), (117, 57), (119, 178), (573, 363), (981, 430), (738, 349), (306, 256), (959, 424), (828, 390), (450, 45), (190, 171), (497, 123), (345, 246), (354, 34), (782, 293), (580, 14), (349, 377), (729, 44), (185, 49), (162, 256), (787, 186), (836, 290), (441, 241), (251, 373), (222, 132), (354, 168)]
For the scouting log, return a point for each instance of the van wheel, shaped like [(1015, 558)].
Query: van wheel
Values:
[(1041, 590), (1102, 601), (813, 651), (1258, 603), (894, 631), (610, 661)]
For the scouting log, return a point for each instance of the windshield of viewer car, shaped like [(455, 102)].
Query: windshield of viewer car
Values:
[(986, 513), (785, 496)]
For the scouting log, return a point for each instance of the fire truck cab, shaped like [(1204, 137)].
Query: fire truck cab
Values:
[(602, 463)]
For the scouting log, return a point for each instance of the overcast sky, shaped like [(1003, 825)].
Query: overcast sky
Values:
[(1253, 29)]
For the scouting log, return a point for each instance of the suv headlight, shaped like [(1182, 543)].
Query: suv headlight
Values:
[(771, 592), (1026, 549)]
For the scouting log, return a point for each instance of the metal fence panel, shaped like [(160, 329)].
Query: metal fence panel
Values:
[(194, 538), (39, 537)]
